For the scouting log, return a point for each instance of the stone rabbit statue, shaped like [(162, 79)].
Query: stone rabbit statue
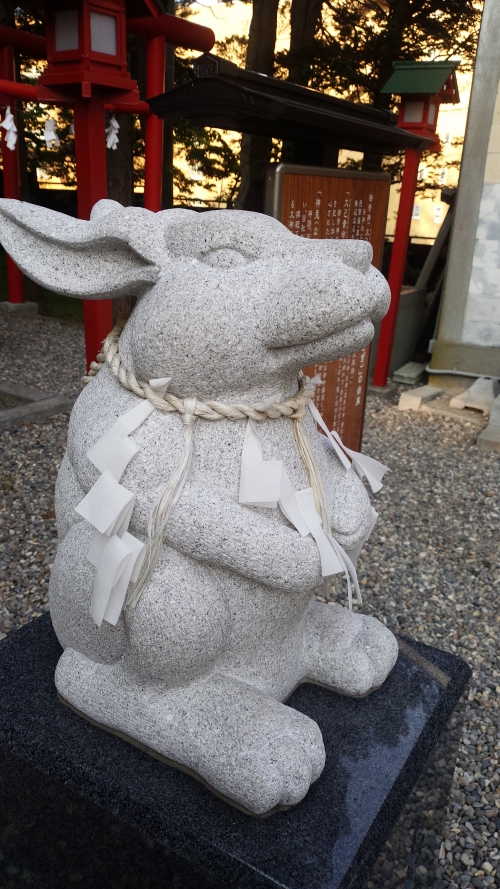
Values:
[(194, 660)]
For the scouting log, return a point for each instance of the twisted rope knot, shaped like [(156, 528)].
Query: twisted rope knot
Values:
[(293, 408), (188, 417)]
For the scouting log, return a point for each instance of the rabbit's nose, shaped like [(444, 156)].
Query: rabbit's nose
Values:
[(314, 300)]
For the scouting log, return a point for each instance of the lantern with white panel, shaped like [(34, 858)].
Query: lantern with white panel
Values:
[(423, 87), (86, 47)]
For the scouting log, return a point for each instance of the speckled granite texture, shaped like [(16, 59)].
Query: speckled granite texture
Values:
[(231, 306), (56, 769)]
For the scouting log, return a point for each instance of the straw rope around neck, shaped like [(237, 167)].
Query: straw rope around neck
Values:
[(294, 408), (190, 409)]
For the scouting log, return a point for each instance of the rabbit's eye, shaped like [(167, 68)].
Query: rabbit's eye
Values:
[(225, 258)]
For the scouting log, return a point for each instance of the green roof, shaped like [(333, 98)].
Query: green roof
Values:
[(419, 77)]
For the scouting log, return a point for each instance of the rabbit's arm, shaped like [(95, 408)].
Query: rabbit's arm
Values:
[(350, 507), (67, 495), (210, 526)]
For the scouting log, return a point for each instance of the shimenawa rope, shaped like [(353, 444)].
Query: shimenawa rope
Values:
[(293, 408)]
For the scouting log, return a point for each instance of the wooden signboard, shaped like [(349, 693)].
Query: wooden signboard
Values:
[(315, 202)]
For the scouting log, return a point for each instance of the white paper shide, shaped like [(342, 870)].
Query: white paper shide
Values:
[(116, 554)]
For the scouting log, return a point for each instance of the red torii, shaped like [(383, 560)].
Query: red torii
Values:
[(86, 54)]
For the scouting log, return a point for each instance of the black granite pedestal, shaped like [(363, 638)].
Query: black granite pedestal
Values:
[(79, 807)]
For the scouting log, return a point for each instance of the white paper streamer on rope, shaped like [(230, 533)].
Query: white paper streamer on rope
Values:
[(107, 505), (266, 483), (122, 560), (129, 575), (115, 557), (334, 559), (115, 553), (10, 128), (365, 466), (112, 133), (330, 562), (349, 571), (50, 135)]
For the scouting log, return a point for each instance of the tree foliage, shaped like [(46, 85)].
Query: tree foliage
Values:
[(356, 42), (342, 46), (211, 156)]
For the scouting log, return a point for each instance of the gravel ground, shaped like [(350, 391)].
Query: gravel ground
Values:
[(430, 569), (41, 352)]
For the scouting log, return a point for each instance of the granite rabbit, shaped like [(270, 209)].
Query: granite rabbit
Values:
[(230, 306)]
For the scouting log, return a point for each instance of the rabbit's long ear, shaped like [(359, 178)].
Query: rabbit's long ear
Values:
[(117, 253)]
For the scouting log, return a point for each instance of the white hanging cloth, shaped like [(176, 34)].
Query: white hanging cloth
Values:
[(112, 133), (115, 553), (266, 483), (10, 128), (363, 465), (50, 135)]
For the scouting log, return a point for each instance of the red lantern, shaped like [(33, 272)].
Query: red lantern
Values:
[(86, 51)]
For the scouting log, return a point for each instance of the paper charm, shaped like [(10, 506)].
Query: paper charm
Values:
[(365, 466), (355, 551), (10, 128), (112, 133), (107, 506), (50, 135), (330, 562), (115, 553), (266, 483)]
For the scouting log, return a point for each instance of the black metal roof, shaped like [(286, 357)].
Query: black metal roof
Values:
[(231, 98)]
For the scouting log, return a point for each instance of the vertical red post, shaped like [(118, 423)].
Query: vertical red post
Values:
[(155, 84), (11, 187), (90, 151), (397, 266)]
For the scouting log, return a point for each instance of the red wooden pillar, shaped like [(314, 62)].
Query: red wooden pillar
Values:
[(155, 84), (397, 266), (11, 188), (90, 151)]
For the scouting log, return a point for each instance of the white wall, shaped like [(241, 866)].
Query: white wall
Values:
[(482, 312)]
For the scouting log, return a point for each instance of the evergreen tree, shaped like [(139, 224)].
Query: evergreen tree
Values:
[(356, 42), (343, 46)]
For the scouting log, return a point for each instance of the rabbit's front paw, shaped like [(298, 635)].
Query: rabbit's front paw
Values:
[(348, 652)]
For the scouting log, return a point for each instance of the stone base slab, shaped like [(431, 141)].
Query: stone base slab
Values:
[(414, 398), (466, 358), (409, 374), (35, 412), (441, 407), (386, 392), (80, 806), (37, 406), (489, 439)]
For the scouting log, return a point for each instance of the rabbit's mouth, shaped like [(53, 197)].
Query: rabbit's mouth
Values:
[(344, 341)]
